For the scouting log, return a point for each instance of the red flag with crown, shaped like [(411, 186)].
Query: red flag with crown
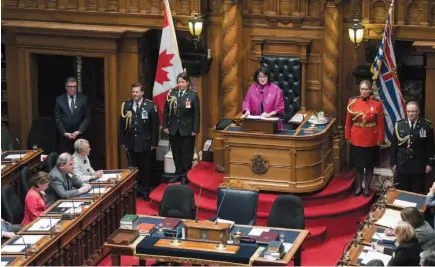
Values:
[(169, 63)]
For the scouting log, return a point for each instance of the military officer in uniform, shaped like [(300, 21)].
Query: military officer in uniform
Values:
[(181, 121), (412, 150), (365, 131), (139, 131)]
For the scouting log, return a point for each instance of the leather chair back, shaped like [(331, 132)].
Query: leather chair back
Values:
[(178, 202), (25, 176), (237, 205), (50, 161), (44, 134), (287, 212), (12, 210), (286, 73)]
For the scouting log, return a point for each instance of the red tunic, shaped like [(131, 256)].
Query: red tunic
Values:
[(364, 122), (34, 206)]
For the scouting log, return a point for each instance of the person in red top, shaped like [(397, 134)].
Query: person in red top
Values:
[(34, 202), (365, 132)]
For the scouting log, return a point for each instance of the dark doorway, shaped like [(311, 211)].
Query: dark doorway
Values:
[(52, 71)]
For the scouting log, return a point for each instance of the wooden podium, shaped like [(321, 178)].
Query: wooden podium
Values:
[(267, 126), (207, 230)]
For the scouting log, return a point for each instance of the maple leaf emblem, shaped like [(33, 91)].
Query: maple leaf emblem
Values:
[(164, 62)]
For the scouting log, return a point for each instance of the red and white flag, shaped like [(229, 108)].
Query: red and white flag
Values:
[(169, 64)]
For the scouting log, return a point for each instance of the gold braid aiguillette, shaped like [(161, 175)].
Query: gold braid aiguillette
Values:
[(171, 100), (127, 116)]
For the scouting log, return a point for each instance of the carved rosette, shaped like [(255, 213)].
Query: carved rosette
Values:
[(330, 59), (230, 82)]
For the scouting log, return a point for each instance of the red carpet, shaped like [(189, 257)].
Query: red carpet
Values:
[(331, 215)]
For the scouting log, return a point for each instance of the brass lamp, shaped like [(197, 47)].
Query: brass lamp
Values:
[(356, 33), (195, 27)]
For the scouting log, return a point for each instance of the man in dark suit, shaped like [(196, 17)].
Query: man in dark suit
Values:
[(412, 150), (72, 114), (181, 118), (63, 183), (139, 131)]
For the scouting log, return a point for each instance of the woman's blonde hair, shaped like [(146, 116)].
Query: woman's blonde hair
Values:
[(404, 232), (366, 82)]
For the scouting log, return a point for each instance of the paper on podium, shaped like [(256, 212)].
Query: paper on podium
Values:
[(99, 190), (70, 204), (374, 255), (404, 204), (2, 166), (254, 117), (258, 231), (43, 225), (298, 118), (107, 177), (13, 248), (76, 210), (15, 156), (28, 239), (389, 219)]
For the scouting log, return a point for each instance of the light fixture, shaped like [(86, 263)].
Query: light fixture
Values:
[(195, 27), (356, 32)]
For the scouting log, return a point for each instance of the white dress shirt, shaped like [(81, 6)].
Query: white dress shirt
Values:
[(137, 104), (82, 167)]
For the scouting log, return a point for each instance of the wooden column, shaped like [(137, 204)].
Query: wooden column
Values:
[(230, 85), (331, 57)]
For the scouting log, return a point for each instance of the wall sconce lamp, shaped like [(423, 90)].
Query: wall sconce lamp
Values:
[(356, 33), (195, 27)]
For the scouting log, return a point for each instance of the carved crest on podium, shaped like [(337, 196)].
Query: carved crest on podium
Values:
[(259, 164)]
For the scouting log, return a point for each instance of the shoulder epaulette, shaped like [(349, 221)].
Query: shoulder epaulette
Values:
[(148, 100), (429, 123), (192, 91), (401, 120), (375, 99), (353, 97)]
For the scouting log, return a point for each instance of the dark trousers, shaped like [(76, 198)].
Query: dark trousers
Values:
[(411, 183), (66, 145), (143, 161), (182, 148)]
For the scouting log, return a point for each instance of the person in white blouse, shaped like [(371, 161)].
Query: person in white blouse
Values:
[(82, 166)]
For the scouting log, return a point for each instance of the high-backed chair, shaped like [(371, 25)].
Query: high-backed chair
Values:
[(44, 134), (237, 203), (25, 176), (288, 212), (50, 161), (286, 73), (178, 202), (12, 210)]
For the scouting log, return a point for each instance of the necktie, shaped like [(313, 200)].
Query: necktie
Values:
[(180, 94), (72, 104), (412, 126), (137, 107)]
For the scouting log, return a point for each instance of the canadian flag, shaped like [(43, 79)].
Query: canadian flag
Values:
[(169, 64)]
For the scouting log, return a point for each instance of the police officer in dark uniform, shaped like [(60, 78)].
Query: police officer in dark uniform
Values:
[(181, 121), (139, 130), (412, 150)]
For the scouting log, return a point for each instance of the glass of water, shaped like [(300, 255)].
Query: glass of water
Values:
[(35, 147)]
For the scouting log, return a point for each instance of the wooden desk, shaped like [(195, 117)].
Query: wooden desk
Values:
[(393, 194), (81, 239), (117, 250), (291, 161), (10, 171)]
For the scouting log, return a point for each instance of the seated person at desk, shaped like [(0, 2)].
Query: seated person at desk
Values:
[(34, 203), (64, 184), (82, 165), (9, 230), (408, 249), (264, 97), (424, 232), (430, 200)]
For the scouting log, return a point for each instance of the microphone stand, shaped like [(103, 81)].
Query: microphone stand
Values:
[(51, 227), (220, 205), (25, 247), (128, 159), (20, 150), (199, 202)]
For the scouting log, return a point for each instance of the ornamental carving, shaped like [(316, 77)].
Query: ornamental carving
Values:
[(413, 14), (259, 164)]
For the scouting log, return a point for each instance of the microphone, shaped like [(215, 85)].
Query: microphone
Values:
[(73, 209), (25, 247), (51, 227), (18, 141), (220, 205), (199, 203), (128, 159)]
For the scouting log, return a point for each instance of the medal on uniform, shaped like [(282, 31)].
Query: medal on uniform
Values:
[(371, 107), (188, 103), (422, 133), (144, 114)]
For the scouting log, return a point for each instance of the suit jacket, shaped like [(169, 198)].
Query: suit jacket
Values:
[(67, 122), (407, 254), (270, 97), (413, 155), (144, 129), (179, 115), (61, 187)]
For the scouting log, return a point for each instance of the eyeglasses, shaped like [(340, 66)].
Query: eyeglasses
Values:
[(71, 86), (262, 77), (411, 111)]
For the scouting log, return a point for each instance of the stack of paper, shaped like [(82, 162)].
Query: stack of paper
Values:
[(28, 239), (43, 225), (99, 190), (369, 254), (404, 204), (13, 248), (389, 219), (70, 204)]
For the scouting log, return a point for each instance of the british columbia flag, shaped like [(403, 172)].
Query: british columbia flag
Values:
[(387, 81)]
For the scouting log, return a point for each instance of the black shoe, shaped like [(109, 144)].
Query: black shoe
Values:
[(146, 196), (366, 193), (357, 192), (184, 181)]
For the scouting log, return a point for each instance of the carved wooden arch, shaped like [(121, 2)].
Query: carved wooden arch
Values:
[(413, 20), (374, 17)]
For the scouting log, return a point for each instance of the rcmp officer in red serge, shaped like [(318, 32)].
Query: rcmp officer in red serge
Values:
[(181, 121), (412, 150), (139, 129), (365, 131)]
